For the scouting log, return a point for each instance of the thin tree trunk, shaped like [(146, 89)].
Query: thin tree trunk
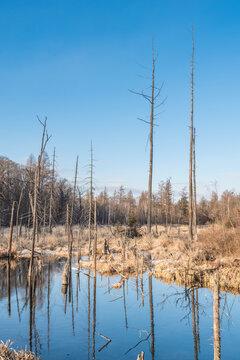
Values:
[(151, 316), (94, 279), (124, 304), (44, 223), (45, 139), (11, 231), (70, 234), (48, 305), (90, 202), (109, 215), (20, 230), (9, 286), (149, 215), (190, 205), (194, 189), (89, 312), (194, 325), (216, 321), (74, 193), (51, 194), (17, 216), (95, 239), (28, 223)]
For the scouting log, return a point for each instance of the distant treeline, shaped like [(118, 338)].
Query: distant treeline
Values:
[(17, 185)]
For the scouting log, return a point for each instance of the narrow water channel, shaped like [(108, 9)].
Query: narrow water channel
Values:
[(92, 320)]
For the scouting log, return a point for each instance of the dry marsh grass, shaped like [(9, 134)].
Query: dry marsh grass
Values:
[(7, 352), (162, 250), (220, 242)]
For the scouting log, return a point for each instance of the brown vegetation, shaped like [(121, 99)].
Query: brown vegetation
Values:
[(8, 353), (166, 251)]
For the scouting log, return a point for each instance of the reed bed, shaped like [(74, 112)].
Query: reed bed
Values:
[(166, 252), (7, 352)]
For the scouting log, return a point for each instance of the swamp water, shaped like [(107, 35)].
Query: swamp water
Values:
[(164, 321)]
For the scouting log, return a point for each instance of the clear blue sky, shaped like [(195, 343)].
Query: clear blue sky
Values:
[(74, 61)]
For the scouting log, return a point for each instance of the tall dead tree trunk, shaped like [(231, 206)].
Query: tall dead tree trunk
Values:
[(194, 189), (45, 139), (152, 99), (95, 239), (94, 279), (90, 203), (51, 194), (190, 204), (17, 217), (74, 192), (44, 224), (11, 231), (72, 209), (149, 216)]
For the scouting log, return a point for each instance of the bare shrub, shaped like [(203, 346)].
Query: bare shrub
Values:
[(220, 242)]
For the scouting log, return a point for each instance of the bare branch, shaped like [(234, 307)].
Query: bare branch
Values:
[(147, 122), (147, 97)]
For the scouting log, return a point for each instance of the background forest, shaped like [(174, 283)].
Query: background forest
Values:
[(121, 206)]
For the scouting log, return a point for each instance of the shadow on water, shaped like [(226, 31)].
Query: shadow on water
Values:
[(97, 321)]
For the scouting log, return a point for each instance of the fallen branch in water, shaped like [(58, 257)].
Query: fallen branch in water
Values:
[(115, 299), (137, 344), (107, 343)]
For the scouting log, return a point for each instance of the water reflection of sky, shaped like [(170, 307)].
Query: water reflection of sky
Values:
[(180, 325)]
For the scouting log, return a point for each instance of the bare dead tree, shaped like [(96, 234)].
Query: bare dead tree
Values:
[(11, 231), (74, 192), (95, 239), (72, 212), (45, 139), (44, 222), (194, 189), (94, 279), (153, 99), (190, 204), (90, 201), (51, 193), (17, 216)]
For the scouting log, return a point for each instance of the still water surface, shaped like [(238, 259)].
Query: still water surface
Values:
[(164, 321)]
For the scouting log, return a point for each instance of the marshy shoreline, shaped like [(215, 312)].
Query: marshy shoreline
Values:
[(166, 253)]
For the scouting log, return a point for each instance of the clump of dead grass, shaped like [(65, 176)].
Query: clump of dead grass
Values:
[(8, 353), (219, 242)]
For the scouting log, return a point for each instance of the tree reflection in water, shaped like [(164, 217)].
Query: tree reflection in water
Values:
[(29, 297)]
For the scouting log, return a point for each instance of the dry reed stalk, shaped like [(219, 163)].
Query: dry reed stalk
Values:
[(8, 353)]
